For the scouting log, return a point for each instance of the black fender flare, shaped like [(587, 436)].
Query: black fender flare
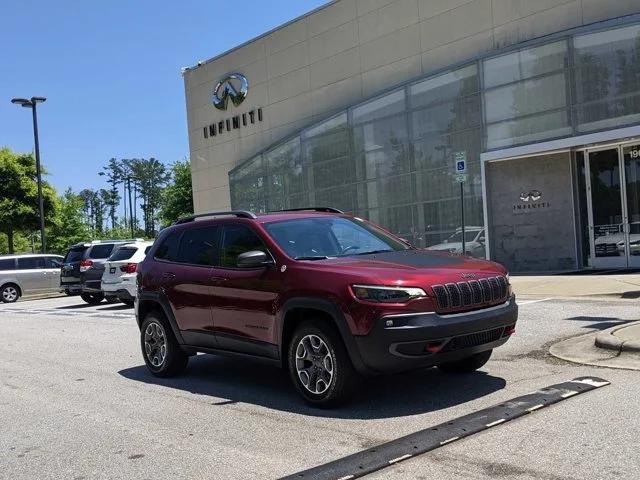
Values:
[(163, 303), (331, 309)]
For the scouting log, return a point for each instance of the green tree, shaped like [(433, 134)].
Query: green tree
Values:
[(177, 197), (150, 177), (70, 226), (19, 196), (114, 171)]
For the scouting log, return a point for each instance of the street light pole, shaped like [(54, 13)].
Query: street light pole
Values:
[(39, 175), (31, 103)]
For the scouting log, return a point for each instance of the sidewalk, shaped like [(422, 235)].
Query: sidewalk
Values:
[(620, 339), (620, 286)]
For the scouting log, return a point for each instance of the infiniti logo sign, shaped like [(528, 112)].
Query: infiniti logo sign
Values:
[(234, 86), (532, 196)]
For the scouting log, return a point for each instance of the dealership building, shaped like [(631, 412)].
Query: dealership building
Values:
[(521, 115)]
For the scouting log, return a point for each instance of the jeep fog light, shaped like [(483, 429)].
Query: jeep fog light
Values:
[(374, 293)]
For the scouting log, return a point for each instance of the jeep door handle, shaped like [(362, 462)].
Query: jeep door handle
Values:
[(169, 275), (219, 279)]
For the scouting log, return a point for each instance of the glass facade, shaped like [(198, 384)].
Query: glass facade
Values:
[(390, 159)]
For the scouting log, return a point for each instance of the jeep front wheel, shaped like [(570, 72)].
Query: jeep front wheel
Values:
[(319, 365)]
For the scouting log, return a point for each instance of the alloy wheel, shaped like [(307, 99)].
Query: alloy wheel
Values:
[(155, 344), (314, 364), (9, 294)]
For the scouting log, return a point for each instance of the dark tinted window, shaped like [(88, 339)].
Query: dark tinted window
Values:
[(75, 254), (29, 263), (198, 246), (123, 253), (238, 239), (53, 262), (101, 251), (7, 264), (168, 250)]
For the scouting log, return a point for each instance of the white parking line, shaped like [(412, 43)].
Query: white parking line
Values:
[(529, 302)]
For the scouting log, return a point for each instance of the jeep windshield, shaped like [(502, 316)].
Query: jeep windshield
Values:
[(329, 237)]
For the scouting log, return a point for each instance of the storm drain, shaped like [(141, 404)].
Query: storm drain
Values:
[(396, 451)]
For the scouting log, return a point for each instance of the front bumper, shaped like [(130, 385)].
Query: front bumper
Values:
[(406, 342)]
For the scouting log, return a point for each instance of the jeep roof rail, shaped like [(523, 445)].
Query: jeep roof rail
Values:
[(310, 209), (237, 213)]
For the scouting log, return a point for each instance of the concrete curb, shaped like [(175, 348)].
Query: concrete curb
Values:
[(608, 340)]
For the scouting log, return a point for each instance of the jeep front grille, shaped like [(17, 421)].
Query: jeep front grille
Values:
[(472, 293)]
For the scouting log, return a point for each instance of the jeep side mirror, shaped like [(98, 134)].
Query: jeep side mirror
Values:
[(253, 259), (481, 239)]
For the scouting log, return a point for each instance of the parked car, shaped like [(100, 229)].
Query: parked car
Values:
[(326, 295), (28, 274), (83, 266), (474, 242), (119, 277)]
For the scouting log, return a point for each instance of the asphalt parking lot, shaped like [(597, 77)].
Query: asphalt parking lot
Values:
[(77, 402)]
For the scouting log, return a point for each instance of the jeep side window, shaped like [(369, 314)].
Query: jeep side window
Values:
[(198, 246), (168, 250), (237, 239)]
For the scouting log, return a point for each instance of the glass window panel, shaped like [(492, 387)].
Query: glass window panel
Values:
[(525, 98), (530, 129), (606, 114), (447, 86), (332, 145), (525, 64), (447, 117), (389, 104), (607, 78), (248, 186), (284, 166), (386, 133), (343, 197), (335, 123)]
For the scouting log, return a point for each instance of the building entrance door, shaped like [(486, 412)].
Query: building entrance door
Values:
[(613, 196)]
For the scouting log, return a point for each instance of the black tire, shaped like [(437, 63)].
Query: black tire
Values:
[(467, 365), (10, 293), (344, 380), (128, 303), (174, 360), (92, 298)]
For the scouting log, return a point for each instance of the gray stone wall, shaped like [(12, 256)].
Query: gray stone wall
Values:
[(531, 211)]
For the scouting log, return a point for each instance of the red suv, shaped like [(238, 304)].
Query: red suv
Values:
[(326, 295)]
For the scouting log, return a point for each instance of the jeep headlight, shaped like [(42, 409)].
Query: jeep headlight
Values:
[(382, 294)]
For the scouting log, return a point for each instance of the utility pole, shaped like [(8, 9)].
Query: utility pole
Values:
[(31, 103)]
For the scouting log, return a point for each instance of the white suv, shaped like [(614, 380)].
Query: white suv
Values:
[(119, 277)]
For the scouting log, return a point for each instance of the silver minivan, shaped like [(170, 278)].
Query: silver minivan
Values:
[(28, 274)]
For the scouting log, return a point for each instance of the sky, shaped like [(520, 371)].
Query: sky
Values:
[(111, 74)]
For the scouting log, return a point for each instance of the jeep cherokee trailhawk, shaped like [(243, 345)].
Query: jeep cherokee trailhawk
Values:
[(326, 295)]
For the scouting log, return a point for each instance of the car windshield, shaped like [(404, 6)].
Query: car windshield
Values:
[(323, 237), (469, 235)]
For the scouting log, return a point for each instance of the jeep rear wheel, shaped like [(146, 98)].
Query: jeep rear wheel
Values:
[(162, 353), (92, 298), (319, 365), (468, 364)]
